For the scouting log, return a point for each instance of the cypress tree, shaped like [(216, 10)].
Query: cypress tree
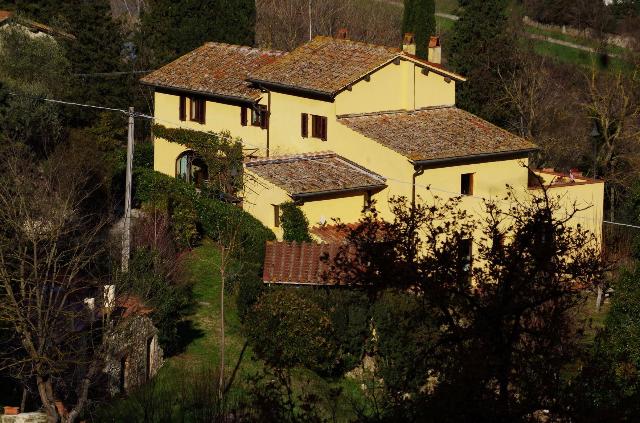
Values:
[(419, 18), (481, 48), (97, 48), (169, 29)]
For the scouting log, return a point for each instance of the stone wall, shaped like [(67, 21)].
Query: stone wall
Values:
[(134, 346)]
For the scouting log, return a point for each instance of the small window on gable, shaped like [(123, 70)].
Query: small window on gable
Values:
[(466, 184), (319, 127), (276, 215), (260, 117), (197, 109)]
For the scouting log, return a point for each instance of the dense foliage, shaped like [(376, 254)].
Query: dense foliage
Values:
[(169, 29), (481, 48), (288, 330), (607, 387), (295, 225), (196, 215), (419, 19)]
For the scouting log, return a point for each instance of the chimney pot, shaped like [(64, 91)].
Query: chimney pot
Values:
[(342, 33), (434, 50), (409, 43)]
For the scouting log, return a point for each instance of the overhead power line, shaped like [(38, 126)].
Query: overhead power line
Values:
[(112, 73), (256, 147)]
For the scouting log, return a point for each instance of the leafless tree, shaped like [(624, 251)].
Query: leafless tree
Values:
[(544, 98), (612, 103), (285, 24), (51, 300)]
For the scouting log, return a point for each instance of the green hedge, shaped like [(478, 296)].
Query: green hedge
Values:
[(194, 215)]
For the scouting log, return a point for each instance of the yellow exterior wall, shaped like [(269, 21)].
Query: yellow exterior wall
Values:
[(396, 87), (285, 134), (433, 90), (261, 195), (346, 208), (165, 154), (218, 117)]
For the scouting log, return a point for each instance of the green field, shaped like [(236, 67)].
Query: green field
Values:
[(202, 354)]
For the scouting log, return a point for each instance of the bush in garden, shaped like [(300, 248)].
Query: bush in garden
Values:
[(286, 329)]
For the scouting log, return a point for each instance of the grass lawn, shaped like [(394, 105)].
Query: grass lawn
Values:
[(203, 350)]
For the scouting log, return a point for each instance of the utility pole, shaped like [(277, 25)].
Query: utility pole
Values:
[(126, 232)]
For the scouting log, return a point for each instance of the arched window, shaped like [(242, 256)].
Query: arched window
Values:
[(190, 167)]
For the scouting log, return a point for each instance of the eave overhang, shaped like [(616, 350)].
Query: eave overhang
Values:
[(475, 158)]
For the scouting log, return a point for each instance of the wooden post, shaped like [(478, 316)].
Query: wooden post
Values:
[(126, 232)]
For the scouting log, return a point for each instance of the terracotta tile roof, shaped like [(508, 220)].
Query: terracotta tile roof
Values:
[(297, 263), (436, 133), (335, 234), (327, 65), (315, 173), (216, 69)]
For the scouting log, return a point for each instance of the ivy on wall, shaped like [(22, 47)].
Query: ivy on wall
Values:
[(220, 151)]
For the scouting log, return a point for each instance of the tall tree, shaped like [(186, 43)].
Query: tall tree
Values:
[(169, 29), (480, 48), (419, 18)]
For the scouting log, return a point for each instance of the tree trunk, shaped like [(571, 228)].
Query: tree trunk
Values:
[(46, 396), (23, 403), (222, 276)]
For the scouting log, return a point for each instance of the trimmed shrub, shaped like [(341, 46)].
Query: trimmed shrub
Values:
[(295, 225), (286, 329)]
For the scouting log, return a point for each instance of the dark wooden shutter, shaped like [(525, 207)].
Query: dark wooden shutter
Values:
[(264, 118), (323, 126), (243, 116), (183, 107), (203, 107), (304, 125)]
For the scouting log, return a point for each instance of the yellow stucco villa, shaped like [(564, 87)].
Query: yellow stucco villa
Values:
[(336, 123)]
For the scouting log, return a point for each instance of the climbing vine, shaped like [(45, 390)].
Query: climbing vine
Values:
[(220, 151)]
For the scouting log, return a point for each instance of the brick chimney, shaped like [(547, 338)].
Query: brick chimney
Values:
[(435, 50), (409, 43), (341, 33)]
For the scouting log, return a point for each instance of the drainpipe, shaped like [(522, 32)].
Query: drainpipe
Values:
[(268, 118), (417, 172)]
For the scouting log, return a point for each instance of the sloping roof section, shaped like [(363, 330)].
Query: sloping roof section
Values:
[(297, 263), (327, 65), (7, 16), (436, 133), (331, 233), (216, 69), (315, 174)]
